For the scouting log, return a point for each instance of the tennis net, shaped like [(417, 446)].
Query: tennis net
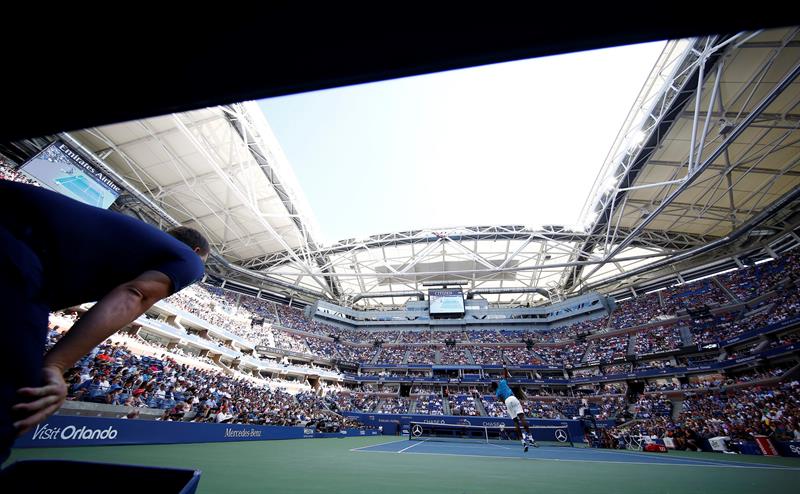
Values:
[(545, 435)]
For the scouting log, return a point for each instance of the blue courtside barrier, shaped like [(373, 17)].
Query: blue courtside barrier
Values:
[(60, 431), (788, 448)]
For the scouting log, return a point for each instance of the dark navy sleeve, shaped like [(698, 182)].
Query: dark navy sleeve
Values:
[(186, 268)]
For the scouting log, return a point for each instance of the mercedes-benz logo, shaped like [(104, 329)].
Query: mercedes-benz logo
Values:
[(416, 430), (561, 436)]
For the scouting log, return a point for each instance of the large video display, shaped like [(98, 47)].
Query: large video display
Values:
[(446, 301), (62, 169)]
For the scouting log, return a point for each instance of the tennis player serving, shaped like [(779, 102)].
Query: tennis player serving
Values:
[(514, 408)]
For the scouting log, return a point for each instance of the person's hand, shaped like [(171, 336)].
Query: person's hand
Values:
[(46, 400)]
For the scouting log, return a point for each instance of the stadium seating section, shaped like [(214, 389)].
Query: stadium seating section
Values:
[(691, 324)]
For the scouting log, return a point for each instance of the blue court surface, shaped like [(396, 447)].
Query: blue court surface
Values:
[(559, 454)]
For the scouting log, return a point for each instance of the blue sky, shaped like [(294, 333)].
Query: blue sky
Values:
[(513, 143)]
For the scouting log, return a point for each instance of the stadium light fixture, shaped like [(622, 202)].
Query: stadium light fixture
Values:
[(636, 138), (609, 184)]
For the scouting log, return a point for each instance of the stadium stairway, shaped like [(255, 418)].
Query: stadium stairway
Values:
[(632, 339), (587, 351), (270, 339), (470, 358), (725, 290), (686, 336), (479, 406), (225, 369), (412, 407), (677, 405), (764, 309), (792, 373), (446, 406), (761, 346)]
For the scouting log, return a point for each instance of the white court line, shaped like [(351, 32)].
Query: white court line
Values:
[(497, 445), (708, 461), (379, 444), (790, 469), (416, 444)]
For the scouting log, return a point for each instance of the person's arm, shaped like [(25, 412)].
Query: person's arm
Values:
[(506, 375), (119, 307)]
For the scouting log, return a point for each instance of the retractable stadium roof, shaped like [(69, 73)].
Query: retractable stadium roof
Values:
[(707, 156)]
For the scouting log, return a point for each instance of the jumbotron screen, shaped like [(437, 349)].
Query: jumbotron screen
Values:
[(446, 301), (62, 169)]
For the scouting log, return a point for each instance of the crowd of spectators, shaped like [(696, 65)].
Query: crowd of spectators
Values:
[(381, 336), (616, 369), (717, 380), (520, 356), (658, 339), (443, 336), (493, 407), (430, 405), (352, 402), (419, 389), (453, 356), (293, 318), (694, 294), (610, 389), (652, 364), (463, 404), (609, 407), (571, 331), (213, 309), (713, 328), (649, 406), (323, 348), (636, 311), (437, 337), (604, 405), (9, 173), (114, 375), (487, 355), (486, 336), (248, 317), (702, 359), (740, 414), (607, 349), (570, 354), (421, 355), (586, 372), (753, 281), (392, 355), (393, 405), (356, 354), (290, 341)]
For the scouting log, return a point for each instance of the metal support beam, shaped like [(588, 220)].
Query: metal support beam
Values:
[(765, 102)]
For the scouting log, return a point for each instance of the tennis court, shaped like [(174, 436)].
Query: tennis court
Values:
[(396, 465), (547, 453)]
